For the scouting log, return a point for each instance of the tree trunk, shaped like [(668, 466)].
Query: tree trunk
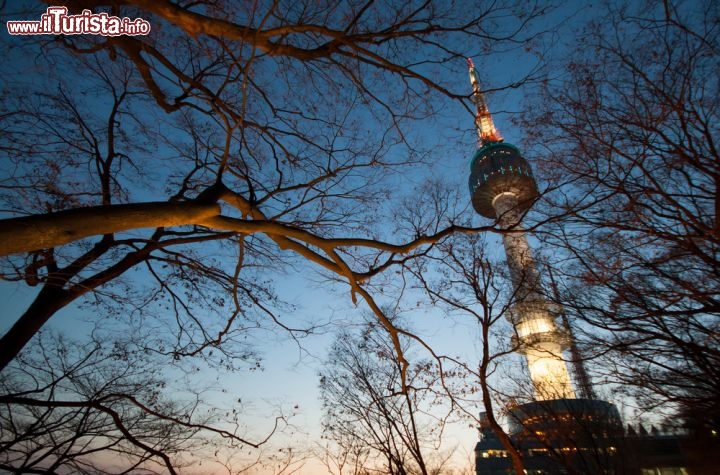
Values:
[(50, 299)]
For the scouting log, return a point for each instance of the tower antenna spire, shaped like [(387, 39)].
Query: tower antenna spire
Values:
[(487, 133)]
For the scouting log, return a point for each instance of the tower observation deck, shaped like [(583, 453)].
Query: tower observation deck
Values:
[(502, 187)]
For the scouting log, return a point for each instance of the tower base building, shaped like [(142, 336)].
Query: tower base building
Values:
[(579, 436)]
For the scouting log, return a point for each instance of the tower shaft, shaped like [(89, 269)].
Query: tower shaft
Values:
[(536, 334), (523, 271)]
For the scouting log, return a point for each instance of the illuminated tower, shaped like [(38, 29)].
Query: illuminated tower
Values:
[(557, 433), (503, 188)]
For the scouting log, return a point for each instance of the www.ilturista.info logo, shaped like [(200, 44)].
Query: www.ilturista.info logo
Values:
[(57, 22)]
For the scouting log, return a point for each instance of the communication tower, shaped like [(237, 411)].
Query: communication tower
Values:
[(503, 188), (557, 433)]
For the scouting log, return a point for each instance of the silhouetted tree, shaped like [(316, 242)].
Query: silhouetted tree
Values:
[(104, 406), (468, 284), (627, 134), (374, 420)]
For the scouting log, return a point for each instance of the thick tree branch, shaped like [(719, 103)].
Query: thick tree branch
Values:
[(32, 233)]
